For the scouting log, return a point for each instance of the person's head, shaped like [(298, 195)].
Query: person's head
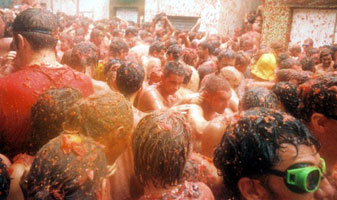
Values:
[(277, 47), (190, 56), (325, 57), (48, 114), (96, 36), (226, 58), (307, 44), (173, 53), (173, 77), (131, 32), (314, 54), (258, 97), (261, 149), (110, 72), (119, 49), (291, 75), (157, 49), (5, 180), (307, 64), (204, 70), (84, 57), (161, 145), (2, 27), (290, 63), (129, 78), (106, 117), (242, 61), (205, 49), (66, 42), (318, 108), (216, 93), (232, 75), (295, 50), (67, 167), (34, 30), (287, 94)]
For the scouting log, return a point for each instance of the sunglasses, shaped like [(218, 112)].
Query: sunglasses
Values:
[(302, 178)]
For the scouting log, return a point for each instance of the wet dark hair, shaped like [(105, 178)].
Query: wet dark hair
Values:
[(117, 45), (131, 30), (207, 45), (156, 46), (242, 59), (48, 114), (250, 146), (129, 78), (99, 115), (287, 94), (189, 55), (319, 95), (161, 145), (67, 167), (259, 97), (284, 75), (288, 63), (307, 64), (215, 83), (111, 63), (175, 50), (282, 57), (204, 70), (5, 181), (88, 50), (38, 27), (175, 68), (229, 54)]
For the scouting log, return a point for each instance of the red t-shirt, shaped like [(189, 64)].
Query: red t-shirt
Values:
[(20, 90)]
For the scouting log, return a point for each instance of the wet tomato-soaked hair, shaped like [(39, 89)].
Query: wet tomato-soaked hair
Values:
[(99, 115), (250, 146), (48, 114), (161, 146), (259, 97), (319, 95), (67, 167)]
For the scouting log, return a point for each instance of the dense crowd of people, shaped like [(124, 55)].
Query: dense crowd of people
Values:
[(112, 109)]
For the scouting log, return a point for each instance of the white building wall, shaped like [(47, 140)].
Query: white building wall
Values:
[(220, 15), (95, 9)]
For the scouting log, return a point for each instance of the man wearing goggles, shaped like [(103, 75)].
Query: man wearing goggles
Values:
[(267, 154)]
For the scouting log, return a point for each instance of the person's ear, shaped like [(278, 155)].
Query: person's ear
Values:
[(318, 122), (251, 189), (20, 42)]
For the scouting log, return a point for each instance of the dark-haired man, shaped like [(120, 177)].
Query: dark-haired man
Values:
[(205, 51), (161, 96), (37, 70), (318, 109), (268, 154), (204, 107)]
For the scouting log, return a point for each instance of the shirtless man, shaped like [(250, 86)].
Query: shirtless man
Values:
[(155, 57), (204, 107), (326, 64), (162, 96), (205, 50)]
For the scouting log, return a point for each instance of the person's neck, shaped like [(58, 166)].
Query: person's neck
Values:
[(208, 112), (43, 57), (162, 92)]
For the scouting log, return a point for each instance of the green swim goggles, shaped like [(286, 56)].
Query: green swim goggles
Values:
[(302, 178)]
